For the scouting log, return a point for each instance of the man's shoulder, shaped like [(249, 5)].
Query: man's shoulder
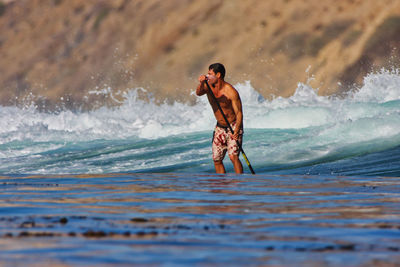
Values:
[(231, 91)]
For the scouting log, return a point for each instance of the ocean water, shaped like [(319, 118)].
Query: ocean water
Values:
[(135, 184), (358, 134), (199, 220)]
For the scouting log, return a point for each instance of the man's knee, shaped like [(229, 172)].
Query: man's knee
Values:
[(234, 158), (218, 162)]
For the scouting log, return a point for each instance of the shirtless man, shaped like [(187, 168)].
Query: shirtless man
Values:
[(230, 102)]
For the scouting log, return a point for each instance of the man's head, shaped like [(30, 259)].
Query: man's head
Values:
[(218, 69)]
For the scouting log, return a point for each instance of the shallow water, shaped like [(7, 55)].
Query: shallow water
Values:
[(203, 219)]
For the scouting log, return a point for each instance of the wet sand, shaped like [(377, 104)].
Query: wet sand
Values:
[(192, 219)]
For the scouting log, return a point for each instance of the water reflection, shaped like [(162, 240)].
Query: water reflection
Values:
[(190, 219)]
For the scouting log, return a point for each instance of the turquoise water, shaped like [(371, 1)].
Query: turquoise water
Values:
[(269, 151), (303, 134), (135, 184)]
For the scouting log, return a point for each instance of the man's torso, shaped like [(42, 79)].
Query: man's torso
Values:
[(226, 104)]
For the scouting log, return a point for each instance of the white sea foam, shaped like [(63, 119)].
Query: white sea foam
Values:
[(367, 114), (146, 119), (379, 87)]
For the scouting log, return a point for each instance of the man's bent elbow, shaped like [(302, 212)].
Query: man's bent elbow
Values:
[(200, 92)]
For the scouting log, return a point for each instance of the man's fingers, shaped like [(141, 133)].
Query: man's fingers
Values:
[(235, 136)]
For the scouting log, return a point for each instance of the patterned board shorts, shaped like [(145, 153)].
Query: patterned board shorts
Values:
[(222, 141)]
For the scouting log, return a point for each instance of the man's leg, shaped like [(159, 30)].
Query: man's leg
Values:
[(237, 165), (234, 151), (219, 166), (219, 149)]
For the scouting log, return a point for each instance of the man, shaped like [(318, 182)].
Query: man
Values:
[(229, 100)]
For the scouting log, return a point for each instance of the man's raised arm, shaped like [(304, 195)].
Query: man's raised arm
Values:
[(201, 88)]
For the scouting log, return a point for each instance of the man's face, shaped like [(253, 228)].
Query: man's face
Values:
[(212, 77)]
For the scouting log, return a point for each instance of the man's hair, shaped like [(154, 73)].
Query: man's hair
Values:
[(218, 67)]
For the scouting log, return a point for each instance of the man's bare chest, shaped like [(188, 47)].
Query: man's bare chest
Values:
[(224, 101)]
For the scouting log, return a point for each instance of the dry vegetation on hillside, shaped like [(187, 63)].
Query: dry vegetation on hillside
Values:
[(59, 50)]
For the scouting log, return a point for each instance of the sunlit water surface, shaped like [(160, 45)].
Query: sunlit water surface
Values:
[(203, 219)]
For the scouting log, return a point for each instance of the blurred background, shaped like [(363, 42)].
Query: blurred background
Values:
[(84, 54)]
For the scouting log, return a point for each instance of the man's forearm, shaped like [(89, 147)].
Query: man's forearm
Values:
[(239, 122), (200, 89)]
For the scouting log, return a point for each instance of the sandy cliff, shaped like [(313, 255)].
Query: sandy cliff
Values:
[(57, 51)]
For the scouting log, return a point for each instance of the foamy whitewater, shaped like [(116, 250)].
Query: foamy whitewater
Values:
[(358, 134)]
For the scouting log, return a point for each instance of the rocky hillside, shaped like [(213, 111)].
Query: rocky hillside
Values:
[(60, 51)]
